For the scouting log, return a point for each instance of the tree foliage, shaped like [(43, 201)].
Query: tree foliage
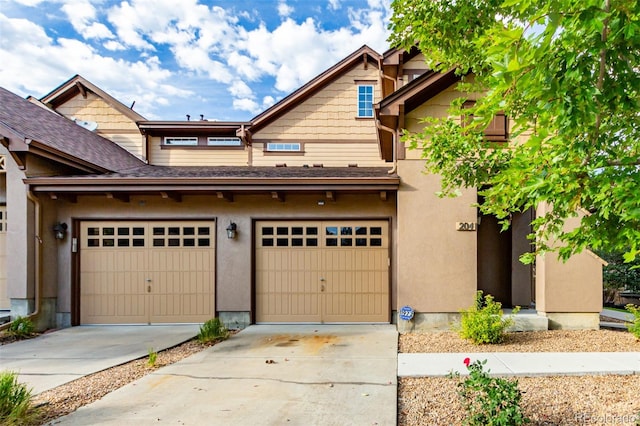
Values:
[(567, 74)]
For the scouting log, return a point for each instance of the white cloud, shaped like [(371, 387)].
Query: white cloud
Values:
[(113, 45), (29, 3), (82, 16), (240, 89), (246, 105), (284, 10), (334, 4), (267, 102), (27, 48)]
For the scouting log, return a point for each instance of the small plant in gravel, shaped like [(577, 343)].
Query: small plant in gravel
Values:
[(153, 358), (213, 330), (489, 401), (634, 327), (484, 322), (21, 328), (15, 401)]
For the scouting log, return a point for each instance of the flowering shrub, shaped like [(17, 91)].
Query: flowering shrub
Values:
[(484, 322), (489, 401), (634, 327)]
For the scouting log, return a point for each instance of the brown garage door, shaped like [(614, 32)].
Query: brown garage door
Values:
[(322, 271), (147, 272), (4, 300)]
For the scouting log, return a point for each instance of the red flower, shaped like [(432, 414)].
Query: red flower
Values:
[(466, 362)]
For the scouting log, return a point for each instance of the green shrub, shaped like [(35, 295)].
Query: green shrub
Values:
[(153, 358), (213, 330), (21, 328), (489, 401), (484, 322), (15, 401), (634, 327)]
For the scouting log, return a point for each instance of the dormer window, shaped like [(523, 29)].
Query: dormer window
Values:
[(180, 141), (218, 141), (365, 101), (284, 146)]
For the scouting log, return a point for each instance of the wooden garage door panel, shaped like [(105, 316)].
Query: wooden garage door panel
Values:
[(322, 271), (147, 272), (4, 299), (112, 287)]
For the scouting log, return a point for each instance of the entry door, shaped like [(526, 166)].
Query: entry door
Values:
[(147, 272), (322, 271)]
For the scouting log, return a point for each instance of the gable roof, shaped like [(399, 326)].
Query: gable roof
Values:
[(48, 134), (365, 53), (78, 84)]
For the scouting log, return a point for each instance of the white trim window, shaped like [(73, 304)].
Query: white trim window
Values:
[(284, 146), (221, 141), (365, 100), (181, 141)]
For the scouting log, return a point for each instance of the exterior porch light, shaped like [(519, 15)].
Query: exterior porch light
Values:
[(60, 230), (231, 230)]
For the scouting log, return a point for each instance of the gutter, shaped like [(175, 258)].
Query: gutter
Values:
[(38, 261), (394, 141)]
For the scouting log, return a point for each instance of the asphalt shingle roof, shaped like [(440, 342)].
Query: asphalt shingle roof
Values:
[(57, 133)]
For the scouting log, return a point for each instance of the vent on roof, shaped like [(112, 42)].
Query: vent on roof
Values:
[(89, 125), (353, 164), (281, 165), (318, 165)]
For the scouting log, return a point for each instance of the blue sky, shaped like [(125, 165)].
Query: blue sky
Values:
[(227, 60)]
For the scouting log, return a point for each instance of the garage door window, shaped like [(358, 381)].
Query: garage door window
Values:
[(289, 236), (181, 236)]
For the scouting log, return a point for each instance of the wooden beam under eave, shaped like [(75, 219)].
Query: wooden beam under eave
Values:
[(383, 195), (81, 89), (117, 196), (72, 198), (225, 195), (277, 195), (330, 195), (171, 196)]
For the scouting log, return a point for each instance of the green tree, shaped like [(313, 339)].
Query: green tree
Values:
[(567, 74)]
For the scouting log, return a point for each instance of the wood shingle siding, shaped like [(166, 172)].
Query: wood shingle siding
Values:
[(329, 113), (196, 156), (112, 124)]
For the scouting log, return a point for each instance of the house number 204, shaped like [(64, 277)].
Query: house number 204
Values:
[(466, 226)]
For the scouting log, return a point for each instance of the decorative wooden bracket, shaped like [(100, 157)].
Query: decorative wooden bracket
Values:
[(117, 196), (277, 195), (171, 196), (225, 195)]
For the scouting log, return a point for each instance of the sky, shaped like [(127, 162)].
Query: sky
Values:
[(227, 60)]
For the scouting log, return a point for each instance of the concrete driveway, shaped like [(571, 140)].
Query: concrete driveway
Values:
[(266, 375), (56, 358)]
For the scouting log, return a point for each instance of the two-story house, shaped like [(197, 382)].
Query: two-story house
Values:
[(313, 211)]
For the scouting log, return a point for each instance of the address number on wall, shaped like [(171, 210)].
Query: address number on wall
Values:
[(466, 226)]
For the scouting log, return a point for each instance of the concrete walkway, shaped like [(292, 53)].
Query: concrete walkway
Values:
[(266, 375), (521, 364), (56, 358)]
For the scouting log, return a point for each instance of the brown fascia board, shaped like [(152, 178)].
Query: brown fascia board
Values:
[(397, 56), (69, 89), (313, 86), (98, 185), (161, 128), (417, 92), (46, 151)]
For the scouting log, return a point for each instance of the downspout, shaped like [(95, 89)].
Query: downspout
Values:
[(394, 138), (38, 261)]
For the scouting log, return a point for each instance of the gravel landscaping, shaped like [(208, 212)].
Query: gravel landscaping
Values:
[(566, 400)]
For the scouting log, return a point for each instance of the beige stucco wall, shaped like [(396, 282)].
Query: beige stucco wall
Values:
[(112, 124), (437, 264), (330, 113), (200, 156), (233, 259), (571, 286)]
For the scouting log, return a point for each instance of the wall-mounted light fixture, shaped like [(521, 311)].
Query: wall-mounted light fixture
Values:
[(60, 230), (231, 230)]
